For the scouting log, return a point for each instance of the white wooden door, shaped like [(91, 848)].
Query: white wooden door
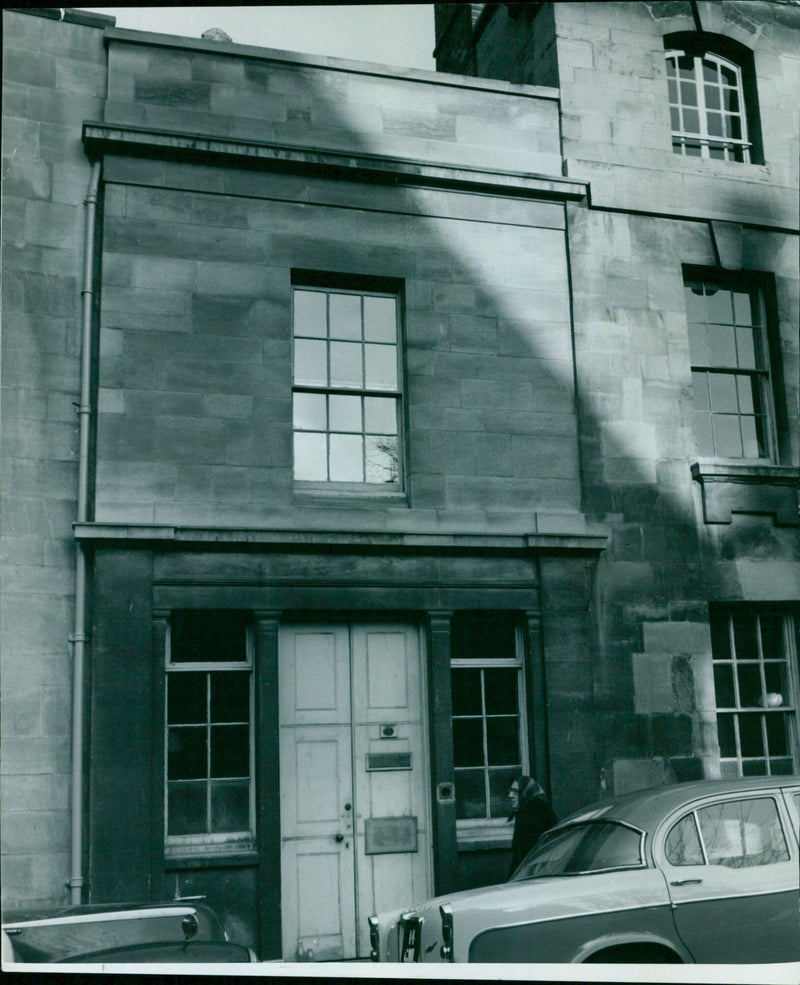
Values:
[(341, 688)]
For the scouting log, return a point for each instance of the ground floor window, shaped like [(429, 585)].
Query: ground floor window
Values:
[(209, 743), (489, 747), (755, 656)]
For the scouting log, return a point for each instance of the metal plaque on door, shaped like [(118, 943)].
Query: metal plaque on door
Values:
[(385, 835)]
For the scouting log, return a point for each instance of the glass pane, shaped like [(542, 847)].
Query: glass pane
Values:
[(380, 319), (728, 771), (747, 394), (501, 691), (310, 362), (749, 685), (210, 635), (750, 735), (186, 808), (230, 805), (722, 391), (468, 742), (703, 436), (698, 344), (700, 391), (470, 794), (744, 637), (186, 698), (714, 123), (771, 624), (727, 736), (230, 697), (675, 118), (695, 303), (309, 412), (691, 121), (345, 413), (723, 686), (230, 750), (682, 846), (310, 457), (777, 738), (382, 458), (721, 345), (718, 305), (346, 364), (745, 348), (466, 691), (502, 740), (717, 152), (781, 767), (691, 149), (309, 313), (728, 75), (345, 316), (743, 833), (751, 446), (777, 685), (689, 96), (671, 72), (712, 97), (727, 437), (710, 71), (731, 99), (381, 366), (686, 67), (754, 767), (499, 783), (745, 309), (735, 129), (347, 461), (186, 753), (380, 415)]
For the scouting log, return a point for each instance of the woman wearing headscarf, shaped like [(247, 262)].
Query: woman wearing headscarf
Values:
[(532, 816)]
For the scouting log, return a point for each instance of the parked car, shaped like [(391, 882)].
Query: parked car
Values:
[(184, 931), (703, 871)]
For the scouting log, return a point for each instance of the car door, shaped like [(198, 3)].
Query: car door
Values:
[(732, 871)]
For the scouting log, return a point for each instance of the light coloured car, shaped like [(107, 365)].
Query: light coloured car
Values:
[(179, 931), (704, 871)]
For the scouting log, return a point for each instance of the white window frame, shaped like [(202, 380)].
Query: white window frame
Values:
[(228, 842), (328, 485), (480, 831), (787, 709), (681, 136)]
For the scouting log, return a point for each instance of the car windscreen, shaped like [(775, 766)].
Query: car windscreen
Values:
[(590, 847)]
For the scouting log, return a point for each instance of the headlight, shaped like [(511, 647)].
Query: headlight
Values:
[(446, 912), (374, 939)]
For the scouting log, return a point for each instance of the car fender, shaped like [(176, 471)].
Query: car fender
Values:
[(620, 940)]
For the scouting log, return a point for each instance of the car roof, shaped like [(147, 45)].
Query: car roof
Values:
[(27, 914), (645, 808)]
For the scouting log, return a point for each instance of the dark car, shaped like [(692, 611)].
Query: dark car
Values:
[(702, 872), (179, 931)]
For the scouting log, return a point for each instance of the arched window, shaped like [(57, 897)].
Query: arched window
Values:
[(706, 102)]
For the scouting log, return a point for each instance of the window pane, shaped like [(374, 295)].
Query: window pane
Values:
[(722, 345), (689, 96), (230, 805), (695, 303), (380, 319), (745, 386), (468, 742), (691, 121), (186, 699), (500, 781), (727, 437), (698, 344), (682, 846), (745, 308), (501, 691), (727, 736), (502, 740), (743, 833), (380, 415), (345, 413), (675, 116), (710, 71), (309, 313), (310, 362), (382, 458), (309, 412), (347, 461), (686, 66), (718, 305), (702, 430), (771, 624), (217, 635), (745, 348), (230, 750), (466, 691), (749, 685), (714, 123), (346, 364), (751, 445), (777, 738), (735, 128), (750, 735), (722, 390), (728, 75), (186, 808), (311, 457), (483, 635), (230, 697), (381, 366), (700, 391), (345, 316), (187, 753), (470, 794), (712, 97), (723, 686), (744, 636)]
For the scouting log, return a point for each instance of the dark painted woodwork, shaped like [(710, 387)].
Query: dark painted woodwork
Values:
[(441, 750), (536, 700), (157, 814)]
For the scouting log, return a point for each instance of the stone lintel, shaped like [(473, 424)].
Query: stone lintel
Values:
[(735, 487)]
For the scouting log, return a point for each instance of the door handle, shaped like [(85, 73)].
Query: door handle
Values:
[(340, 837), (686, 882)]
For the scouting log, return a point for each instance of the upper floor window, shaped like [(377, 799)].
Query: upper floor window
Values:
[(347, 394), (712, 101), (209, 741), (733, 407)]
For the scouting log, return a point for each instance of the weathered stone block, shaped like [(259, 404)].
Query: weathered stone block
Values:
[(652, 681), (677, 637)]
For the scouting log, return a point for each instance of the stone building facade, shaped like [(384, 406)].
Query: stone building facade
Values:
[(391, 473)]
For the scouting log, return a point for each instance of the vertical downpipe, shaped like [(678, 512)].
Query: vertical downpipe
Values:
[(79, 636)]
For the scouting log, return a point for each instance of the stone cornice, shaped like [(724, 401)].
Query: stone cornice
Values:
[(107, 138)]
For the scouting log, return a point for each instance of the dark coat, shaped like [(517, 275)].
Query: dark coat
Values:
[(533, 817)]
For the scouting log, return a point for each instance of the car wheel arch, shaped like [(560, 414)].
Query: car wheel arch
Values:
[(632, 948)]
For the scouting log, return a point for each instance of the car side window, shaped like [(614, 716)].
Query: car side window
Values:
[(682, 846), (743, 833)]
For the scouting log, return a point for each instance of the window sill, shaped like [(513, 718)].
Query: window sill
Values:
[(734, 486), (346, 494), (480, 839), (212, 860)]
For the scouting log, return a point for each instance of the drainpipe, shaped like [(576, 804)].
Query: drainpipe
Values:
[(79, 636)]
